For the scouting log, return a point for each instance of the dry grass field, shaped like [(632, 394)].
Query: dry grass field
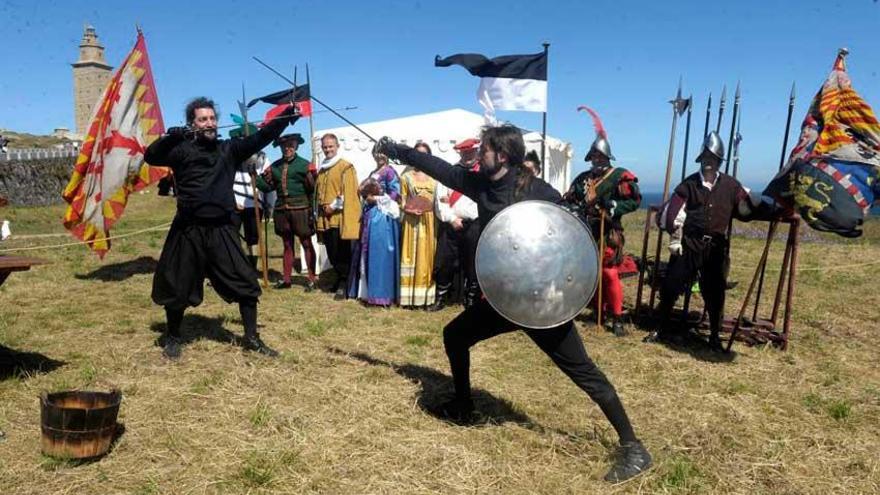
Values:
[(345, 408)]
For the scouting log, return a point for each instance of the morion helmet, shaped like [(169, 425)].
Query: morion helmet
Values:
[(713, 145)]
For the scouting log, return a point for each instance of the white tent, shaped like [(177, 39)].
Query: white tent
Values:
[(441, 130)]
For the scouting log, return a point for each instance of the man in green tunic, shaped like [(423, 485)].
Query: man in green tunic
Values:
[(612, 192), (293, 179)]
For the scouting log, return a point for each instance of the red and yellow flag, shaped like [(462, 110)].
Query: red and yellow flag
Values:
[(110, 165)]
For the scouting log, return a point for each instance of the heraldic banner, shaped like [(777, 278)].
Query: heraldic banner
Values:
[(110, 165)]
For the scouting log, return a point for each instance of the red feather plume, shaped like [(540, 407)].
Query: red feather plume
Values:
[(597, 122)]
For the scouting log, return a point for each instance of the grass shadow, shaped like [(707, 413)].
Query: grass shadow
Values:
[(695, 344), (22, 364), (118, 272), (436, 387), (197, 327)]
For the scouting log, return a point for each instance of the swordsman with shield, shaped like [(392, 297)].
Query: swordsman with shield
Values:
[(501, 182)]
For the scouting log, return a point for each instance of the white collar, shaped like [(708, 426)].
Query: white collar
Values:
[(709, 185), (329, 162)]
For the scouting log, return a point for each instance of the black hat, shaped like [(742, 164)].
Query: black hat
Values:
[(289, 137)]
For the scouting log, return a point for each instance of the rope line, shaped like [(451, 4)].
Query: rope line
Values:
[(78, 243)]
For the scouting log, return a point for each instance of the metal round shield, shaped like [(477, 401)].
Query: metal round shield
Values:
[(537, 264)]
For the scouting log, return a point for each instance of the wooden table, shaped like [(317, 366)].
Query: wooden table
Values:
[(9, 264)]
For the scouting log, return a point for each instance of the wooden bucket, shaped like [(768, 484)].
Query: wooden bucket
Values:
[(78, 424)]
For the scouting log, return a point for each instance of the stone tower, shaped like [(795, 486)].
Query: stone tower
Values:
[(91, 73)]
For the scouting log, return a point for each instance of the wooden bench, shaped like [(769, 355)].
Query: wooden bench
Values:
[(9, 264)]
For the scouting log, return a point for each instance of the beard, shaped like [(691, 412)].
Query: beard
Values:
[(207, 135)]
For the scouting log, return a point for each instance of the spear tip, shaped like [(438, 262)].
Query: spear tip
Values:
[(738, 93), (792, 91)]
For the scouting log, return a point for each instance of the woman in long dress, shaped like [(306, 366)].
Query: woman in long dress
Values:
[(419, 237), (375, 267)]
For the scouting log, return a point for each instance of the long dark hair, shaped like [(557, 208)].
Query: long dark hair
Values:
[(508, 139)]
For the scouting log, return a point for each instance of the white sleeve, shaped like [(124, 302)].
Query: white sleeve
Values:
[(443, 210), (466, 208)]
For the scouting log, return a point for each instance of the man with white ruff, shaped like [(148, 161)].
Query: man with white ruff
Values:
[(338, 210)]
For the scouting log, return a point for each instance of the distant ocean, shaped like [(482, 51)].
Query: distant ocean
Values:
[(653, 198)]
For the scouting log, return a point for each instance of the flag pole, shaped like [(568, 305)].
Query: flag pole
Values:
[(544, 119), (260, 234), (311, 121), (676, 109), (791, 99)]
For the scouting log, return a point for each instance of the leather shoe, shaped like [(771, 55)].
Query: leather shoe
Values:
[(256, 344), (633, 460)]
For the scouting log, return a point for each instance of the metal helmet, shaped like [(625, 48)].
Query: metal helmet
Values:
[(714, 145), (601, 146), (537, 264)]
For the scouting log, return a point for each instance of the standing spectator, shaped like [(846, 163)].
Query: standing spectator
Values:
[(339, 210), (245, 216), (292, 178), (533, 163), (457, 234), (375, 271), (419, 236)]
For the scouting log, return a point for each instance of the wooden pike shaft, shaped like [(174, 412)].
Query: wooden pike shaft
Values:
[(599, 298), (669, 159), (264, 261), (736, 101)]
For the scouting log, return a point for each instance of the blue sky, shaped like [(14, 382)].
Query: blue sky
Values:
[(622, 58)]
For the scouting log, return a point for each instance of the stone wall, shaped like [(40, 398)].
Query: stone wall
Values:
[(35, 182)]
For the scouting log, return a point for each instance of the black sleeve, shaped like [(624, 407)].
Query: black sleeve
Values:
[(543, 191), (449, 175), (243, 148), (159, 152)]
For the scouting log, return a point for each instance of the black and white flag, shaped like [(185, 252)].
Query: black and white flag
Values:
[(510, 82)]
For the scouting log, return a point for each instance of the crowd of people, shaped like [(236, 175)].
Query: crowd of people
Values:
[(410, 239)]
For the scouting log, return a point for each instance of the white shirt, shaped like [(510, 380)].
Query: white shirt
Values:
[(465, 208)]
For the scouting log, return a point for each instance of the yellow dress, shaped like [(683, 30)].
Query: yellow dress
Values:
[(418, 244)]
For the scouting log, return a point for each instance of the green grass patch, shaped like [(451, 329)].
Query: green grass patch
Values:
[(260, 416), (417, 340), (839, 410), (258, 470), (315, 328), (681, 476)]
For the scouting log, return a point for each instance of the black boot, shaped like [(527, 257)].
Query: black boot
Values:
[(472, 295), (252, 341), (440, 301), (715, 343), (456, 410), (633, 460), (171, 346), (171, 341), (255, 344), (617, 327)]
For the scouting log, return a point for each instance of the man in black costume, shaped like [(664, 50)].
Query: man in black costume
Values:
[(700, 211), (203, 241), (502, 181)]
